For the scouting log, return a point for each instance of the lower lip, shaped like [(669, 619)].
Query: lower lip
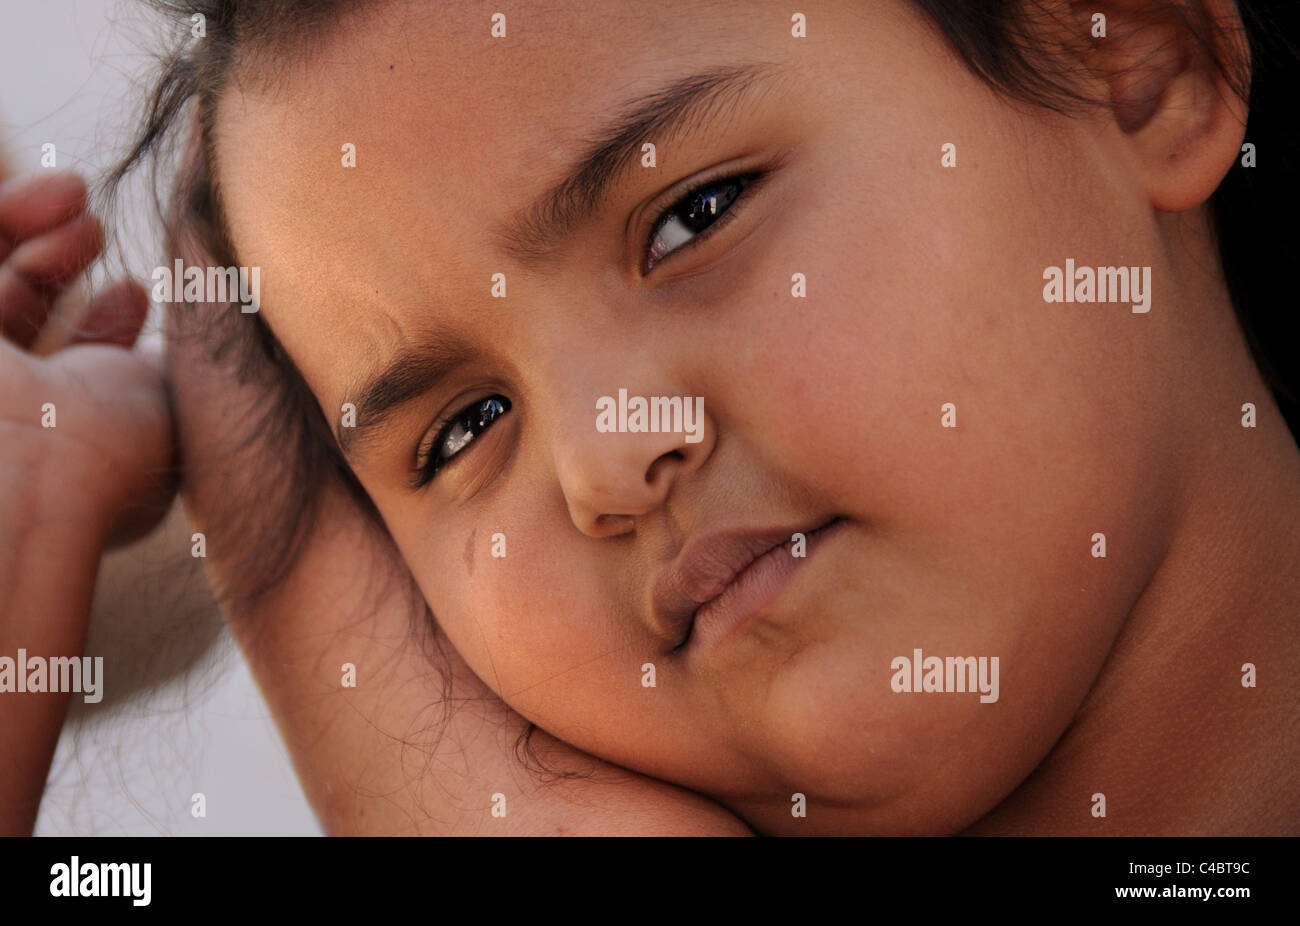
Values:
[(753, 588)]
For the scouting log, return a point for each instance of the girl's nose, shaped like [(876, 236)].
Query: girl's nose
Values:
[(612, 470)]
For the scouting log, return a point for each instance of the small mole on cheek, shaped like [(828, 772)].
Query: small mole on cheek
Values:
[(469, 551), (390, 67)]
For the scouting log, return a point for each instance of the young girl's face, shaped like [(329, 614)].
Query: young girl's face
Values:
[(826, 304)]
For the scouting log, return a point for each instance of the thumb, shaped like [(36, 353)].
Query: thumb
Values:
[(118, 410)]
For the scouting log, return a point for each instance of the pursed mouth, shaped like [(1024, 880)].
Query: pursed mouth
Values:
[(740, 574)]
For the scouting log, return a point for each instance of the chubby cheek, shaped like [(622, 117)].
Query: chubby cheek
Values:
[(982, 441), (511, 599), (536, 619)]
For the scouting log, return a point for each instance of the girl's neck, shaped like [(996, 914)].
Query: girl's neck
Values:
[(1169, 734)]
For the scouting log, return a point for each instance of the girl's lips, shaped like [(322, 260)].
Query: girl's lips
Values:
[(721, 580), (752, 589)]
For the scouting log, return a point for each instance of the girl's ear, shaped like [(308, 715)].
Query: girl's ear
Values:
[(1179, 113)]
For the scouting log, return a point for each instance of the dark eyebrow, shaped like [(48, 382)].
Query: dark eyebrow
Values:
[(537, 231), (411, 374)]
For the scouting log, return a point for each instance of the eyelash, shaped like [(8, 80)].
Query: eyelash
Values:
[(747, 182), (472, 417), (476, 418)]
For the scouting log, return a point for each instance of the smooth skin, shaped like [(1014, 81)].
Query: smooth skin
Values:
[(924, 288)]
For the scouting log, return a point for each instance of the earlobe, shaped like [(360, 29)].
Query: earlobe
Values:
[(1178, 111)]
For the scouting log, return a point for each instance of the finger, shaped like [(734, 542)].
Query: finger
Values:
[(37, 203), (116, 315), (117, 403), (36, 271)]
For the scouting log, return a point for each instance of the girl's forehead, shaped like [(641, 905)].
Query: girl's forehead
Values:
[(479, 51), (433, 132), (475, 70), (481, 103)]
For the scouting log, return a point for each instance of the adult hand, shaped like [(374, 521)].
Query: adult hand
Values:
[(85, 457), (418, 744)]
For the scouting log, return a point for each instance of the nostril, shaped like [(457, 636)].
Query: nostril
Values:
[(612, 525), (652, 474)]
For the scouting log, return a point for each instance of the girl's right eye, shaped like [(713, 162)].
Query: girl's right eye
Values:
[(456, 435)]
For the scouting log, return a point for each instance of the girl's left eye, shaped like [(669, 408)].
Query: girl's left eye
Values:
[(698, 212), (456, 435)]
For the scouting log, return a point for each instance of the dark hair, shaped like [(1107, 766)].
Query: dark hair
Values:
[(997, 39)]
